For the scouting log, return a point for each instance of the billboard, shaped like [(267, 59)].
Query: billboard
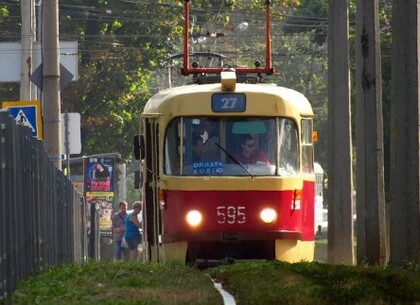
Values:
[(99, 176)]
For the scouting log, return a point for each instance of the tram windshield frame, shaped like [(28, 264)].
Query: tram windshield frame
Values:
[(231, 146)]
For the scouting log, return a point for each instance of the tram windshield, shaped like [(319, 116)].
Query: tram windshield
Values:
[(226, 146)]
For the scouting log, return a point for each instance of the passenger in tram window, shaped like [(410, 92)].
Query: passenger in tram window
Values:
[(205, 150), (206, 127), (249, 154)]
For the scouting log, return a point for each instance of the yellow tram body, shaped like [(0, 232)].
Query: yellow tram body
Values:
[(229, 202)]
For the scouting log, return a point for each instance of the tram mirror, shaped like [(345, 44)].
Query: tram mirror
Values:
[(314, 136), (138, 143), (249, 127)]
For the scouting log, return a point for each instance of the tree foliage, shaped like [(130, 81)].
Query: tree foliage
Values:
[(124, 46), (121, 44), (310, 18)]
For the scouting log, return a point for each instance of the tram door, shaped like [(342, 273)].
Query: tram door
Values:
[(151, 213)]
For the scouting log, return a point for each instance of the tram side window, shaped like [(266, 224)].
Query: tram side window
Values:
[(288, 147), (172, 148), (307, 146)]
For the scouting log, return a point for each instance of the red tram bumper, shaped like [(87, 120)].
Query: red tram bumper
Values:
[(227, 236)]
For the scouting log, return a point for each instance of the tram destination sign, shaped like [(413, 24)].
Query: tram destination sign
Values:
[(228, 102)]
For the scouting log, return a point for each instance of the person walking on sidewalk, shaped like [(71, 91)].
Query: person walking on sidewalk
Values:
[(118, 229), (132, 230)]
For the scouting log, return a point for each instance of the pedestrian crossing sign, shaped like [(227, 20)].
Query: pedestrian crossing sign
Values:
[(26, 113)]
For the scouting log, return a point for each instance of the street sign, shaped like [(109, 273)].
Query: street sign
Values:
[(26, 113), (11, 59), (65, 77), (70, 133)]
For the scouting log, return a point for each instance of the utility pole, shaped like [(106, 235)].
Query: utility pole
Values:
[(51, 102), (27, 89), (340, 185), (404, 138), (371, 224)]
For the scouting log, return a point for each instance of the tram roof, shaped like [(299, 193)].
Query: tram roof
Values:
[(158, 102)]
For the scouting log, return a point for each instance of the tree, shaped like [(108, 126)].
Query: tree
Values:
[(122, 45), (405, 146)]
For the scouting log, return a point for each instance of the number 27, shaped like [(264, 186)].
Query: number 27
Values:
[(229, 102)]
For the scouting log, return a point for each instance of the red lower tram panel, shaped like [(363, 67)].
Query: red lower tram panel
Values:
[(237, 224)]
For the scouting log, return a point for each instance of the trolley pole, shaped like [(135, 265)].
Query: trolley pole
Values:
[(340, 186), (51, 102)]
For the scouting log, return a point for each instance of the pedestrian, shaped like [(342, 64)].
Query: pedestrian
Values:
[(118, 229), (319, 234), (132, 230)]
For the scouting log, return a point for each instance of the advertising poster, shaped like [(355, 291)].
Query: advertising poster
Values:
[(99, 176)]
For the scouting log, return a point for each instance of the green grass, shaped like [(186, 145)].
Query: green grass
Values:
[(118, 283), (267, 283), (318, 283)]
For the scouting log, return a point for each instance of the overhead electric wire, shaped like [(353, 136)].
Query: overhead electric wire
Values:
[(83, 13), (110, 13)]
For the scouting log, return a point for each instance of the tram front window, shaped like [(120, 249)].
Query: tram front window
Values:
[(226, 146)]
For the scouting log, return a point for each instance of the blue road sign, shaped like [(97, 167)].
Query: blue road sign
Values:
[(26, 113)]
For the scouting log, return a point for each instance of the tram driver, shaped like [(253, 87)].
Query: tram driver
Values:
[(249, 154)]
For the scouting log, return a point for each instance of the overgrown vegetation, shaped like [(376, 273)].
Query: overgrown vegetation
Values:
[(277, 283), (118, 283), (267, 283)]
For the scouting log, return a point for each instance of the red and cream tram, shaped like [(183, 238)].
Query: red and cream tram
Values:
[(227, 170)]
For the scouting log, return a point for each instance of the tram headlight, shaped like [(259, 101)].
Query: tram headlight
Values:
[(268, 215), (194, 218)]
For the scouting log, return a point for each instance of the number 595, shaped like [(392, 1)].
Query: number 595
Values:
[(231, 214)]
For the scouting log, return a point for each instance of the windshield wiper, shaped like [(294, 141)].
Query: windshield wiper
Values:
[(234, 159)]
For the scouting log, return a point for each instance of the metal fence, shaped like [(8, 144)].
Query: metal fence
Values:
[(42, 217)]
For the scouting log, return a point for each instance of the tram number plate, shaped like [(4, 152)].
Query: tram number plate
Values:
[(228, 102), (231, 214)]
